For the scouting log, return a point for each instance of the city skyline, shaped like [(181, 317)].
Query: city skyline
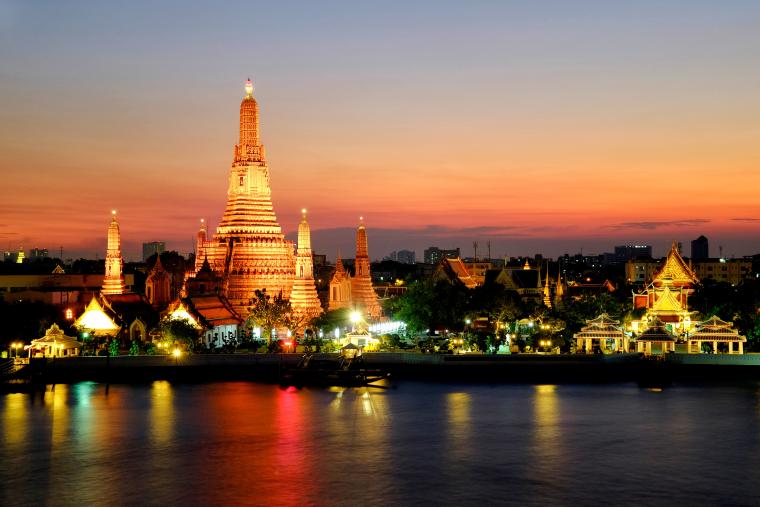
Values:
[(464, 125)]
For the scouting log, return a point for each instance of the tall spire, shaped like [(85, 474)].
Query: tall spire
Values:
[(304, 298), (113, 282), (361, 240), (547, 290), (248, 251), (249, 118), (362, 293), (200, 244), (304, 234)]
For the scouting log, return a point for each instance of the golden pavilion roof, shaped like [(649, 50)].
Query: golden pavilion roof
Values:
[(55, 335), (675, 270), (602, 327), (96, 320), (667, 302), (656, 332), (715, 329)]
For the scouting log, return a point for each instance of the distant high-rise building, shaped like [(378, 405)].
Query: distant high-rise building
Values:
[(433, 255), (38, 253), (700, 249), (153, 248), (625, 253), (406, 256)]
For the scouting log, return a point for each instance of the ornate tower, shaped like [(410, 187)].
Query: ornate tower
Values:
[(200, 243), (547, 290), (304, 299), (362, 294), (559, 291), (157, 285), (113, 282), (340, 287), (249, 251)]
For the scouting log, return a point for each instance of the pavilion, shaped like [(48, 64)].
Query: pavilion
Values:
[(601, 330), (656, 334), (54, 344), (715, 332)]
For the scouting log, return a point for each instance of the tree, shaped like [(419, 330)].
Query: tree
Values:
[(415, 307), (267, 312), (332, 319), (113, 348), (134, 348), (179, 332)]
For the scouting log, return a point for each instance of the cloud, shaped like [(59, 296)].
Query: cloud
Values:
[(745, 219), (652, 225)]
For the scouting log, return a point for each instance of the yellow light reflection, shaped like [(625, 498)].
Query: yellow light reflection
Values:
[(161, 412), (55, 399), (458, 410), (14, 419), (546, 427)]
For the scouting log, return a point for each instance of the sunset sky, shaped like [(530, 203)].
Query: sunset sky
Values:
[(541, 126)]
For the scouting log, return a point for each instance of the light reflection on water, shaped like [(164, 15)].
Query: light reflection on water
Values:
[(244, 443)]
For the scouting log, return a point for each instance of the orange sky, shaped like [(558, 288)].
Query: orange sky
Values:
[(540, 134)]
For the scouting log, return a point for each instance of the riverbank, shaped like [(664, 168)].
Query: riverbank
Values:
[(532, 368)]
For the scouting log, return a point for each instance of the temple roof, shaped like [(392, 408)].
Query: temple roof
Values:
[(209, 310), (123, 309), (715, 329), (54, 335), (96, 320), (656, 332), (527, 278), (603, 320), (675, 269), (602, 327), (158, 271), (455, 270), (667, 302)]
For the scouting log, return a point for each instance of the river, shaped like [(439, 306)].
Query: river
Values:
[(242, 443)]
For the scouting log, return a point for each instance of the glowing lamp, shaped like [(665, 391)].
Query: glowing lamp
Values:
[(355, 317), (177, 353)]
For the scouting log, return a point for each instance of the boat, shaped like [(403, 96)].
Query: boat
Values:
[(342, 371)]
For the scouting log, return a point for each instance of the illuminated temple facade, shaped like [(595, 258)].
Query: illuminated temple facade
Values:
[(249, 250), (355, 292), (665, 299)]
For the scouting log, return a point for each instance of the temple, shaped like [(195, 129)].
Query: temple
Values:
[(158, 285), (602, 333), (355, 292), (666, 297), (113, 282), (303, 298), (248, 252)]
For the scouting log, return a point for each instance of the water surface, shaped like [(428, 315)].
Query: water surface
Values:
[(418, 444)]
